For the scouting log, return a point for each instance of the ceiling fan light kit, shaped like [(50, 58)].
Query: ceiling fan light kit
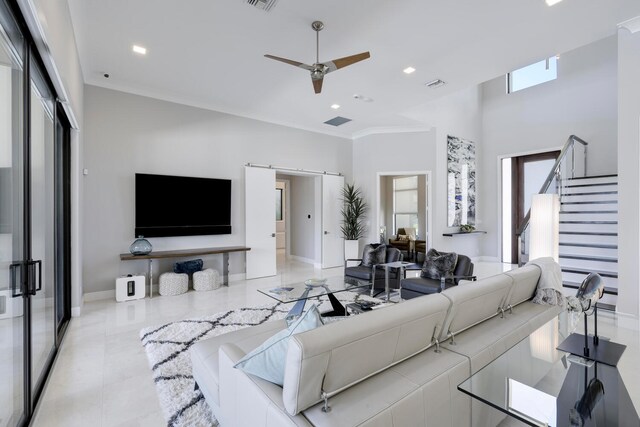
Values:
[(319, 69)]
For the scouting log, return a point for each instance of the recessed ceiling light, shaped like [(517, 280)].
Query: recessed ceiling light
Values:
[(408, 70), (335, 106), (139, 49), (552, 2)]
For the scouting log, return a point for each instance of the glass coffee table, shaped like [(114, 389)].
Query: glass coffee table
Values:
[(312, 288), (541, 386)]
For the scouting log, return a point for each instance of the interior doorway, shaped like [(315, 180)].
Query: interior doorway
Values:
[(522, 177), (404, 201), (313, 202)]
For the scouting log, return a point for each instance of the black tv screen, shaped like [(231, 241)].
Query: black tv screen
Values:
[(182, 206)]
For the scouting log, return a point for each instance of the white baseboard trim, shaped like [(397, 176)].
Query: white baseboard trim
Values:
[(100, 295), (239, 277), (305, 260), (485, 259), (317, 265), (76, 311)]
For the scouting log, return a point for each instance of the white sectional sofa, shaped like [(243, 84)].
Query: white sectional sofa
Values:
[(397, 366)]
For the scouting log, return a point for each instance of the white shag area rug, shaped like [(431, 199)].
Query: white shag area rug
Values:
[(167, 349)]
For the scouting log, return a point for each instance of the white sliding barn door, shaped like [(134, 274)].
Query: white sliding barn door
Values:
[(332, 241), (260, 221)]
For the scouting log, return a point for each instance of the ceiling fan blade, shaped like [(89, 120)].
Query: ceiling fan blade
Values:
[(336, 64), (317, 84), (290, 62)]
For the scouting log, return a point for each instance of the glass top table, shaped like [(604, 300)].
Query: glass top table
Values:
[(541, 386), (312, 288)]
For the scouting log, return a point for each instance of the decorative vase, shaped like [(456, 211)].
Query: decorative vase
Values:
[(351, 249), (140, 246)]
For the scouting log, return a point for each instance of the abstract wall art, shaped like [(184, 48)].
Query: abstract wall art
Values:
[(461, 182)]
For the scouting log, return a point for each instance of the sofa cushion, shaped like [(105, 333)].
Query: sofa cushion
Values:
[(474, 303), (364, 273), (525, 281), (423, 285), (339, 355), (373, 255), (267, 360), (438, 264), (204, 354)]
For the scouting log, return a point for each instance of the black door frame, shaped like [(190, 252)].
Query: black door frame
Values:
[(62, 217)]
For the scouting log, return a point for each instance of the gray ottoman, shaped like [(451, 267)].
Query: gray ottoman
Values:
[(206, 280), (173, 284)]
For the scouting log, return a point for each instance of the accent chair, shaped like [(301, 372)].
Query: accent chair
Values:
[(419, 286)]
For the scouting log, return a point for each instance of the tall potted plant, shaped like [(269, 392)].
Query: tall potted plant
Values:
[(353, 214)]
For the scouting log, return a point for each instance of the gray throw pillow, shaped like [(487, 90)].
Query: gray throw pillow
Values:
[(438, 264), (373, 255)]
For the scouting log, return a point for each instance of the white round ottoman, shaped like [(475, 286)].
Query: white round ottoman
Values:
[(206, 280), (173, 284)]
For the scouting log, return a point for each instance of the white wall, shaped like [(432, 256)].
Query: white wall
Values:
[(582, 101), (628, 175), (459, 114), (303, 228), (127, 133)]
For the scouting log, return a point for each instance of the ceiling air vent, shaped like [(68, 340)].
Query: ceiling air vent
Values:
[(337, 121), (265, 5), (435, 83)]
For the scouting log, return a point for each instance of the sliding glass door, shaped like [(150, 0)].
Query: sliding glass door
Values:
[(42, 232), (12, 239), (34, 222)]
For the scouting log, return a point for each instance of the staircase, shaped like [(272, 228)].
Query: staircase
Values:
[(589, 233)]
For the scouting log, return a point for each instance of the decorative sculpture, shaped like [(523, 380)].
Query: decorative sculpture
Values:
[(586, 301)]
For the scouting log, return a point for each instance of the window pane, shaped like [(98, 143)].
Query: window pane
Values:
[(278, 204), (405, 183), (406, 201), (407, 220), (534, 74)]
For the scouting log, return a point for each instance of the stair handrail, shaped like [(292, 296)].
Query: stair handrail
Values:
[(554, 170)]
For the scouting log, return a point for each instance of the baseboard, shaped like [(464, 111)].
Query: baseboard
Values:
[(317, 265), (100, 295), (239, 277), (76, 311), (305, 260), (485, 259)]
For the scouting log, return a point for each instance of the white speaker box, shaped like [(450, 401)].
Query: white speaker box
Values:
[(130, 288), (9, 306)]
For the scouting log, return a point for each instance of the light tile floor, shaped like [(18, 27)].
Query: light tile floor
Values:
[(101, 376)]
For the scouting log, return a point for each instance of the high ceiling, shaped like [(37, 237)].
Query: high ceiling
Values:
[(209, 53)]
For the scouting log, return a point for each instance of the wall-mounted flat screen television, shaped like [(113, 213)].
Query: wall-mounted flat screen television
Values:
[(182, 206)]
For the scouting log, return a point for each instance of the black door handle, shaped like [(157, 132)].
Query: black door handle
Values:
[(39, 264), (17, 289), (32, 286)]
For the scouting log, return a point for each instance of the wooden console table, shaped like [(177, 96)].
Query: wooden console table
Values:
[(186, 253)]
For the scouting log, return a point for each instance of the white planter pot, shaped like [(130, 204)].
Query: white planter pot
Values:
[(351, 250)]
